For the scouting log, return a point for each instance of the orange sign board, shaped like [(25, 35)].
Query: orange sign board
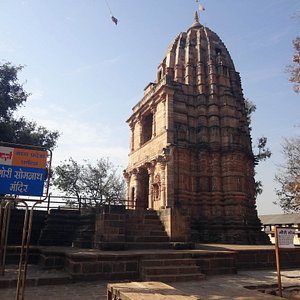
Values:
[(29, 158), (23, 157)]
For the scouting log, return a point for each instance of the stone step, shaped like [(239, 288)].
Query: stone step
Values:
[(140, 238), (170, 270), (68, 236), (153, 216), (148, 222), (148, 227), (150, 245), (55, 221), (168, 262), (175, 278), (59, 230), (142, 217), (141, 213), (85, 244), (146, 232), (56, 242), (167, 256)]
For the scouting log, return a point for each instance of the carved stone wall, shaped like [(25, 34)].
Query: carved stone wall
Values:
[(199, 158)]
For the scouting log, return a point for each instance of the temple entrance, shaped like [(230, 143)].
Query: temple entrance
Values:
[(144, 188)]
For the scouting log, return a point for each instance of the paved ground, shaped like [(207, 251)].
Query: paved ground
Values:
[(223, 287)]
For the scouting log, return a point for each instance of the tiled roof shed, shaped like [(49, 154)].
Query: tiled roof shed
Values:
[(279, 219)]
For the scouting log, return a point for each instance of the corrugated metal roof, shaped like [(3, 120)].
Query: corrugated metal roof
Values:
[(280, 219)]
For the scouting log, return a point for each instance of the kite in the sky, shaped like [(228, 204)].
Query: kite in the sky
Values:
[(113, 18), (201, 7)]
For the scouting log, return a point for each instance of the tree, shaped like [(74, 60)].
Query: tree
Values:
[(18, 130), (294, 69), (288, 176), (263, 152), (96, 184)]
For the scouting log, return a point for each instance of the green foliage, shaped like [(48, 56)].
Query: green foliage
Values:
[(288, 176), (18, 130), (67, 178), (97, 184), (263, 152), (250, 109)]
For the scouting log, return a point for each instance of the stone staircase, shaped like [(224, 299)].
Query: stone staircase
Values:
[(144, 230), (60, 228), (170, 267), (84, 234)]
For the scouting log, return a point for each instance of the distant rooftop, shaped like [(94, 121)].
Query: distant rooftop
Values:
[(280, 219)]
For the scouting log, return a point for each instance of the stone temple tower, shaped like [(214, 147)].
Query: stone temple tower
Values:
[(190, 147)]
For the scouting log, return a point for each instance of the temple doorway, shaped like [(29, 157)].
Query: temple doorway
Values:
[(144, 188)]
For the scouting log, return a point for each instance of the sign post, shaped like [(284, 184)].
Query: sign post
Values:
[(284, 238), (23, 173)]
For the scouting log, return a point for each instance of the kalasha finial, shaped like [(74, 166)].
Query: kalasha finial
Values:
[(196, 18)]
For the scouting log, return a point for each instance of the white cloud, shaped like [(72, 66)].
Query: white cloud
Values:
[(36, 94), (5, 47), (80, 139), (96, 66)]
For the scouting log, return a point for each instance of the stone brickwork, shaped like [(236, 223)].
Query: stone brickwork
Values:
[(110, 228), (190, 144), (96, 266), (264, 259), (176, 224)]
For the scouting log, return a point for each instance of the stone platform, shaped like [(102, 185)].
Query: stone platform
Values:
[(166, 265), (66, 268)]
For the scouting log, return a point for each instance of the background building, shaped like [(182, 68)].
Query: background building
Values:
[(281, 220)]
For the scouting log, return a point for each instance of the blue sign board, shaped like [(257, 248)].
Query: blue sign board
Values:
[(21, 180)]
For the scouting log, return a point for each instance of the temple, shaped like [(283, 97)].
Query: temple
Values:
[(191, 157)]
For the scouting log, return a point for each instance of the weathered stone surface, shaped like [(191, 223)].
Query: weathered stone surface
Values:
[(145, 290), (190, 144)]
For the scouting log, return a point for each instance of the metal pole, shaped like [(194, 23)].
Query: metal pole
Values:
[(277, 261), (4, 219), (27, 246), (48, 204), (6, 233), (1, 240), (21, 273)]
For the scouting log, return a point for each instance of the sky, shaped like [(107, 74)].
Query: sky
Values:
[(85, 73)]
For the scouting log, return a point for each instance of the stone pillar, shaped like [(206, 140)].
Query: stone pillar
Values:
[(153, 111), (163, 184), (169, 113), (127, 177), (136, 188), (132, 125), (151, 179), (140, 132)]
